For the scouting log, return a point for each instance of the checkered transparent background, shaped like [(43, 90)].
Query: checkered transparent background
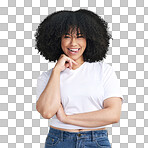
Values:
[(21, 126)]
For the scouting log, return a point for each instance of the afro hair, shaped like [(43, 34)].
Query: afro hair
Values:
[(50, 31)]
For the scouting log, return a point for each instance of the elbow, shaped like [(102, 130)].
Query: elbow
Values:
[(46, 115), (43, 113), (116, 119)]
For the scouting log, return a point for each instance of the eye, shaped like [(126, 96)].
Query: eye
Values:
[(80, 36), (66, 36)]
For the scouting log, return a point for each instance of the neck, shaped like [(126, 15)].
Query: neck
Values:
[(77, 66)]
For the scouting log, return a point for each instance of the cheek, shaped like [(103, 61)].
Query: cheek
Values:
[(83, 43), (64, 43)]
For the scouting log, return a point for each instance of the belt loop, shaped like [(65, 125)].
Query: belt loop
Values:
[(92, 134), (62, 135)]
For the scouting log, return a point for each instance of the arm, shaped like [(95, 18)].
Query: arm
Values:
[(109, 115), (49, 101)]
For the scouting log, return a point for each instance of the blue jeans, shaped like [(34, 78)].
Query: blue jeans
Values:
[(85, 139)]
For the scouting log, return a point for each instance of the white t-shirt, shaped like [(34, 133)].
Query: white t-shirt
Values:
[(83, 89)]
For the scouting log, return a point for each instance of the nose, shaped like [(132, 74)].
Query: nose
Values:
[(73, 41)]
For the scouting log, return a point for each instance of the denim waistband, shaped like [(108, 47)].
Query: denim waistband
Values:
[(78, 135)]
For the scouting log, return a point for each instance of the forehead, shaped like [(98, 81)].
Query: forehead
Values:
[(74, 31)]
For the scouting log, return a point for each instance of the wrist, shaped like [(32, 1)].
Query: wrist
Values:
[(55, 69), (66, 119)]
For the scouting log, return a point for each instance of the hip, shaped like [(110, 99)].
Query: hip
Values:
[(77, 130), (94, 138)]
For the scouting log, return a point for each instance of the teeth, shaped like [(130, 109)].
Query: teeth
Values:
[(74, 49)]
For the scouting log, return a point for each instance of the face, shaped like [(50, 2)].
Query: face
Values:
[(73, 45)]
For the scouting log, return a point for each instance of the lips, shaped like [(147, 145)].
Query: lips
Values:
[(74, 49)]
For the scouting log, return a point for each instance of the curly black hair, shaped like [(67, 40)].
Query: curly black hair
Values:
[(50, 31)]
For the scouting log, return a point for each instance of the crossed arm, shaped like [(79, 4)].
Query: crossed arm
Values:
[(108, 115)]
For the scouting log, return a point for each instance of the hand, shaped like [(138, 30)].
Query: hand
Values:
[(64, 62), (61, 114)]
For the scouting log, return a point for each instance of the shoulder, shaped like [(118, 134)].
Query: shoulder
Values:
[(103, 66), (45, 74)]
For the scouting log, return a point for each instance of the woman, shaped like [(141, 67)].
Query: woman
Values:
[(81, 94)]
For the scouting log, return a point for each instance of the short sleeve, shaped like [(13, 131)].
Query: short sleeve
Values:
[(111, 84), (42, 81)]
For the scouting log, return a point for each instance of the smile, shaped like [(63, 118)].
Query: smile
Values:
[(74, 49)]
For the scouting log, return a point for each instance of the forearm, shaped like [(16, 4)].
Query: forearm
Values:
[(49, 100), (93, 119)]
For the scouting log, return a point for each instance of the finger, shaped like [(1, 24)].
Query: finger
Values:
[(70, 64), (74, 62), (67, 65)]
